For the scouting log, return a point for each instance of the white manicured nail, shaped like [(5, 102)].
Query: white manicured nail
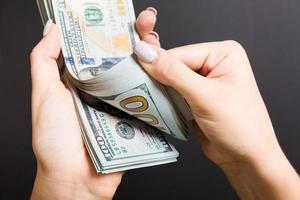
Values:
[(48, 27), (145, 52)]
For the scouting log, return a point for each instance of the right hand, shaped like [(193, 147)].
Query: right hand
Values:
[(232, 121), (233, 124), (217, 82)]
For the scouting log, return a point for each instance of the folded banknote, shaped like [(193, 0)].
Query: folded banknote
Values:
[(122, 111)]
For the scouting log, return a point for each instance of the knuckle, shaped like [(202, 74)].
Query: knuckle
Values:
[(232, 43), (34, 54), (37, 54), (234, 46)]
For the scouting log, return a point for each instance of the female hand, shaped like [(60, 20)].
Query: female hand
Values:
[(64, 167), (233, 124)]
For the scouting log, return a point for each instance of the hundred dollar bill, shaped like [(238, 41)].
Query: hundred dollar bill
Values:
[(98, 41), (117, 142)]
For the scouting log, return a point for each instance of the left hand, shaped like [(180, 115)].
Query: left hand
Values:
[(64, 169)]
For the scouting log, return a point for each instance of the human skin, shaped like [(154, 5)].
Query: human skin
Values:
[(232, 122), (64, 169), (217, 81)]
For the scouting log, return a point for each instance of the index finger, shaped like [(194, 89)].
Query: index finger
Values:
[(204, 57)]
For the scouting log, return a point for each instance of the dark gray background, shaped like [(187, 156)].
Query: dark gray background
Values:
[(268, 29)]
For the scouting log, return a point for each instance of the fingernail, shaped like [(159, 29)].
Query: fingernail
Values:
[(145, 52), (155, 34), (152, 9), (48, 27)]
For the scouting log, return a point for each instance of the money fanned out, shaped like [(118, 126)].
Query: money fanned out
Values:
[(123, 113)]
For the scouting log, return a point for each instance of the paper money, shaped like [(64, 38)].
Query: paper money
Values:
[(117, 142), (98, 38)]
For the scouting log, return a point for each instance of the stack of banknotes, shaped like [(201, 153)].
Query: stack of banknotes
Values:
[(122, 111)]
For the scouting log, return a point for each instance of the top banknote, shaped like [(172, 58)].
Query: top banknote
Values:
[(98, 38)]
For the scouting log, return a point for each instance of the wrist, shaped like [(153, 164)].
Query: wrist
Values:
[(47, 187), (268, 176)]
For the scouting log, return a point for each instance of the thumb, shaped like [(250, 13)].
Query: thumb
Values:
[(44, 70), (170, 70)]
